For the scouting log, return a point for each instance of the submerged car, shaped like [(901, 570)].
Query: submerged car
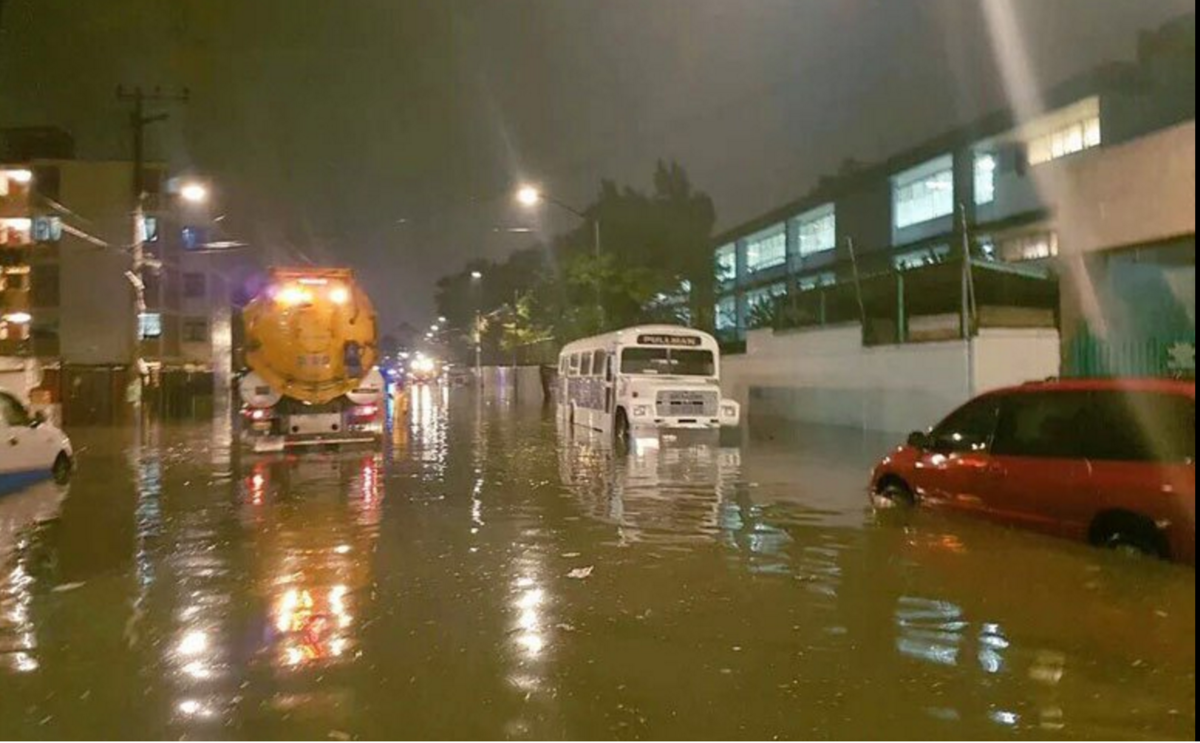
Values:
[(1111, 462), (31, 448)]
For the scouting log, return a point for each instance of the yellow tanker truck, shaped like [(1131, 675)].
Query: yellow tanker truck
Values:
[(310, 352)]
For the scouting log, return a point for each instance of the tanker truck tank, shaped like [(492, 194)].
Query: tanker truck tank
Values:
[(310, 353)]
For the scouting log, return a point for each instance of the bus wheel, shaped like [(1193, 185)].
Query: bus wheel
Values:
[(621, 428)]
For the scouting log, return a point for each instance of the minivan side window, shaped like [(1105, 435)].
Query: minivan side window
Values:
[(969, 429), (1044, 425), (1142, 427)]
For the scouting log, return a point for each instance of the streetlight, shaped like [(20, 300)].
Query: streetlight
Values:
[(530, 196), (194, 193)]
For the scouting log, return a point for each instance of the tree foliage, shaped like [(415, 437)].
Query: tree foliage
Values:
[(653, 247)]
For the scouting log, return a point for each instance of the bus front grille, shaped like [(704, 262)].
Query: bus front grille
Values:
[(687, 404)]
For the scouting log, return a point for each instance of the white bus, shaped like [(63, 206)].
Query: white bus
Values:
[(650, 377)]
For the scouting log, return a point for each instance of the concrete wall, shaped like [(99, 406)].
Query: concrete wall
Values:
[(1132, 194), (19, 375), (96, 311), (827, 376), (522, 383)]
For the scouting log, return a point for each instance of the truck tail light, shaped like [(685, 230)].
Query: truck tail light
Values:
[(366, 411)]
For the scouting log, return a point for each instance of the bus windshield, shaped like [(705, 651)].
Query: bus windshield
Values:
[(668, 361)]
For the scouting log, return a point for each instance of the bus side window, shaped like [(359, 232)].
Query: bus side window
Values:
[(574, 365), (599, 364), (585, 369)]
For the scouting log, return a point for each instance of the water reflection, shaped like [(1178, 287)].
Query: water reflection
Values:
[(21, 515), (663, 492), (314, 523)]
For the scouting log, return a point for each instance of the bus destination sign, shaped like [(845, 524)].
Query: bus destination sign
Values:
[(674, 341)]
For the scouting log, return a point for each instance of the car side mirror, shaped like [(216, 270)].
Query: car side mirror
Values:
[(918, 440), (39, 418)]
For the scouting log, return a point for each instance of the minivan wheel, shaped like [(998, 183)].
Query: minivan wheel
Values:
[(897, 492), (1134, 537), (62, 469)]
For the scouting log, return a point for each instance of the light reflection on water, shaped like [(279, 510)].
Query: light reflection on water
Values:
[(490, 574)]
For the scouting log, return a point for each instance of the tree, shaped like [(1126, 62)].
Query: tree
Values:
[(655, 262)]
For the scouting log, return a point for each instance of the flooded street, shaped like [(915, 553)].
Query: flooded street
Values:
[(488, 575)]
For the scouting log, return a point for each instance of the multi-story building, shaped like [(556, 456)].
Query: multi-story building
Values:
[(1096, 188), (66, 231)]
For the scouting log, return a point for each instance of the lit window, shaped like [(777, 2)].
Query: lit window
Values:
[(150, 325), (816, 281), (921, 258), (765, 296), (727, 313), (1065, 140), (924, 193), (817, 230), (985, 178), (727, 263), (766, 249), (1034, 247)]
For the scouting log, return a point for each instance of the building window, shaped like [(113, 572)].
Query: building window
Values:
[(931, 256), (727, 316), (816, 281), (765, 296), (1034, 247), (924, 193), (817, 230), (15, 231), (726, 263), (150, 325), (194, 285), (1066, 140), (195, 330), (985, 178), (767, 249), (194, 238)]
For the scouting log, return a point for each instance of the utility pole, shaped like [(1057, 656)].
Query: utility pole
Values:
[(138, 121)]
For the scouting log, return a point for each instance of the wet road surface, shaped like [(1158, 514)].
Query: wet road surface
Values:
[(487, 575)]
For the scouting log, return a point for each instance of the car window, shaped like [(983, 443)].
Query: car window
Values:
[(968, 429), (13, 412), (1047, 425), (1142, 427)]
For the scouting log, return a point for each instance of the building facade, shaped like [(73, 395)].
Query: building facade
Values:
[(1098, 189), (68, 314)]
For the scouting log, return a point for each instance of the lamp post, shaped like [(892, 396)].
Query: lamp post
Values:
[(530, 197), (476, 280)]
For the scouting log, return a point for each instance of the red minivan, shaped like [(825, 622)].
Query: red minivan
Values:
[(1108, 461)]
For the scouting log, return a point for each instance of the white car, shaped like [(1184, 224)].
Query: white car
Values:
[(31, 448)]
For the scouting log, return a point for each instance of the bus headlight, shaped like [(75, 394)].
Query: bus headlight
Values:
[(641, 411)]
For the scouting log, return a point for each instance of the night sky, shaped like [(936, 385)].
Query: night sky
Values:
[(387, 134)]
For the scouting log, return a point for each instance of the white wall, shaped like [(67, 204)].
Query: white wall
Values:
[(19, 375), (523, 383), (826, 376)]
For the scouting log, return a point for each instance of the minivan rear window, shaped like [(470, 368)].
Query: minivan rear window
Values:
[(1142, 427)]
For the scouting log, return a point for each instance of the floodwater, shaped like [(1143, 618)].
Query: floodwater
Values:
[(487, 575)]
